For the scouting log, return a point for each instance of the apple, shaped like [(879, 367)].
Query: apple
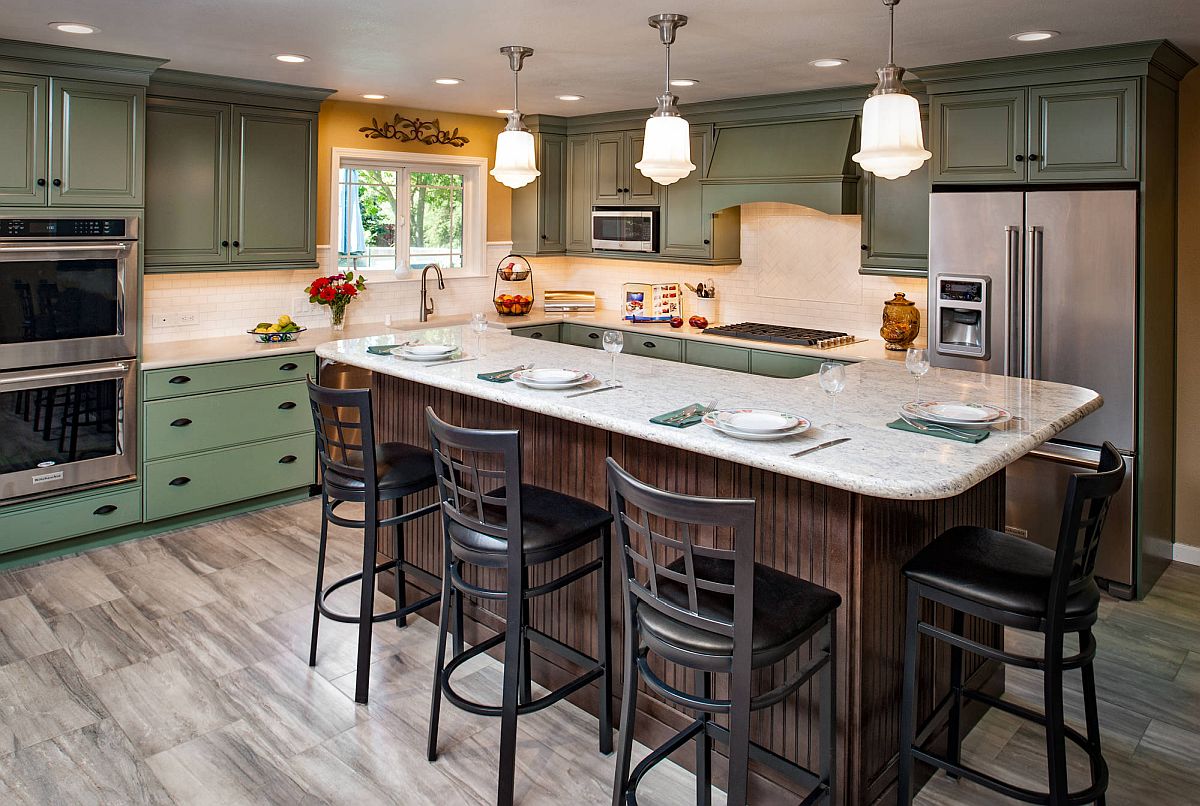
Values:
[(698, 322), (676, 321)]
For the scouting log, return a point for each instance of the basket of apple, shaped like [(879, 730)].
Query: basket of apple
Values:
[(513, 304)]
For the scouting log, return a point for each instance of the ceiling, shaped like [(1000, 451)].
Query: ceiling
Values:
[(602, 50)]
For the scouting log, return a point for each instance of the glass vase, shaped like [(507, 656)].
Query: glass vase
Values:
[(337, 318)]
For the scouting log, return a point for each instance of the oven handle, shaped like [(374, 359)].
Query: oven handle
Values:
[(16, 382), (91, 247)]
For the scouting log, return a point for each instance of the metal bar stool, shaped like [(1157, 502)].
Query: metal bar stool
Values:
[(1014, 582), (491, 520), (715, 611), (357, 469)]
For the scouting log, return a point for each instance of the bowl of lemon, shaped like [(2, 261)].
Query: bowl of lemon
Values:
[(277, 332)]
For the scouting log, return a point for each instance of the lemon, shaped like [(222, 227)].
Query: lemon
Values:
[(284, 320)]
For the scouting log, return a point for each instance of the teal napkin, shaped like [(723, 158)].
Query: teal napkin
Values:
[(500, 376), (382, 349), (686, 422), (973, 436)]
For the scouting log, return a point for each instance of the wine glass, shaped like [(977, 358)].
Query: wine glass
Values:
[(832, 378), (917, 361), (614, 340), (479, 326)]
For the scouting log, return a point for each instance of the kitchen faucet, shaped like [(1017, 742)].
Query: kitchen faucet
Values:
[(426, 300)]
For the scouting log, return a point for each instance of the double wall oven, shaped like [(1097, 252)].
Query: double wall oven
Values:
[(68, 343)]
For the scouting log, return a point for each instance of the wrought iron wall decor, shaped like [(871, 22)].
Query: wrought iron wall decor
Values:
[(407, 130)]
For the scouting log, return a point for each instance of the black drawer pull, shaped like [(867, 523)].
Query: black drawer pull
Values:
[(288, 367), (181, 422), (648, 344), (593, 335), (178, 379), (107, 509), (287, 460), (179, 482), (286, 405)]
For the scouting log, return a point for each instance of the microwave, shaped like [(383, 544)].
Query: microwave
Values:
[(625, 229)]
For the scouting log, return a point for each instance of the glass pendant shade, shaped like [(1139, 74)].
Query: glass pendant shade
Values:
[(892, 143), (667, 152), (516, 165)]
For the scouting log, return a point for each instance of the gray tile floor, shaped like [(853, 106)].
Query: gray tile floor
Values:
[(172, 670)]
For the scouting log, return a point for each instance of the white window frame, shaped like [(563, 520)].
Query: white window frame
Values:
[(474, 170)]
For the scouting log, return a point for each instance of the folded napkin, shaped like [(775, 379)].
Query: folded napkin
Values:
[(681, 423), (500, 376), (972, 436), (382, 349)]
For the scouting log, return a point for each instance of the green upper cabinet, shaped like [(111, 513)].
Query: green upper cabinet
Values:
[(539, 208), (614, 180), (639, 189), (23, 133), (579, 193), (895, 222), (273, 178), (686, 231), (1084, 132), (96, 144), (187, 174), (979, 137)]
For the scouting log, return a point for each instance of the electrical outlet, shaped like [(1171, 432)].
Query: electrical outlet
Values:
[(189, 318), (161, 320), (303, 309)]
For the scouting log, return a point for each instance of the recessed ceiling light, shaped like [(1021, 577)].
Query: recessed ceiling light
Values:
[(1034, 36), (374, 96), (827, 62), (503, 111), (75, 27), (569, 97), (290, 58), (449, 82), (684, 82)]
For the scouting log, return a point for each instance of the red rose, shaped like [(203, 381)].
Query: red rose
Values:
[(320, 282), (327, 294), (348, 289)]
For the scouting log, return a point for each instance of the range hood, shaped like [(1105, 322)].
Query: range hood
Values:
[(804, 162)]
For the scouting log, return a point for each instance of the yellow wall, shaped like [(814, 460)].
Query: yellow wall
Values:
[(1187, 396), (339, 128)]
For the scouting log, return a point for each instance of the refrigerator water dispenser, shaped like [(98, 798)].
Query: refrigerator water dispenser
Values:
[(961, 318)]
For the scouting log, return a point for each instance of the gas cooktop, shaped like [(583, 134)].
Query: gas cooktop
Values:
[(780, 334)]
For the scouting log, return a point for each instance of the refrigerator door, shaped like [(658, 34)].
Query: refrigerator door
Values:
[(1081, 296), (978, 235), (1037, 488)]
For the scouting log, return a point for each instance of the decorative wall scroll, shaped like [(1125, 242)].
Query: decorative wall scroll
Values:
[(407, 130)]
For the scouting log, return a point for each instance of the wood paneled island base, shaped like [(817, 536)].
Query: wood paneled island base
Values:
[(852, 543)]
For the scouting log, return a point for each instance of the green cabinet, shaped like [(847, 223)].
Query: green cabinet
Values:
[(686, 231), (579, 193), (200, 378), (979, 136), (582, 335), (38, 523), (538, 209), (721, 356), (784, 365), (195, 423), (662, 347), (895, 223), (615, 180), (539, 332), (23, 121)]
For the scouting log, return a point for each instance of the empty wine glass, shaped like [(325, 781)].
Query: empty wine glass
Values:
[(479, 326), (614, 340), (832, 378), (917, 361)]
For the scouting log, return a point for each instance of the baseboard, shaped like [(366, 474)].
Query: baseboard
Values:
[(1183, 553)]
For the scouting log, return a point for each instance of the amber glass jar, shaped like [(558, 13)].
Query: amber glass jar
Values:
[(901, 322)]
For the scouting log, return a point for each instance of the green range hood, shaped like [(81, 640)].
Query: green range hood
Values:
[(805, 162)]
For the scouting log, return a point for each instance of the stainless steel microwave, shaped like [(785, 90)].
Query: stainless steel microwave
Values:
[(625, 229)]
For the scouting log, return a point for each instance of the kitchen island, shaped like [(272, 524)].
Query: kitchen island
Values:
[(847, 517)]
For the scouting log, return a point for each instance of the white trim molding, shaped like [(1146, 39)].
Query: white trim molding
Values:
[(1183, 553)]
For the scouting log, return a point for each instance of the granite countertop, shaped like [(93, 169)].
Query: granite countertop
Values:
[(877, 461)]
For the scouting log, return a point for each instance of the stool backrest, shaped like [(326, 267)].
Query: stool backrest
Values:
[(1088, 497), (637, 508), (465, 461), (345, 432)]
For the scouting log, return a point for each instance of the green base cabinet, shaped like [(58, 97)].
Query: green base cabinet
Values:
[(720, 356), (38, 523), (540, 332), (784, 365), (582, 335), (661, 347), (199, 378), (195, 423)]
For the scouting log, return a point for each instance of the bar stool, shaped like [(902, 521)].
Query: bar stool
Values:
[(491, 520), (1016, 583), (354, 468), (715, 611)]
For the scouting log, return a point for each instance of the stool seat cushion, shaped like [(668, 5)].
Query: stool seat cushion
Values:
[(399, 467), (786, 608), (553, 524), (997, 570)]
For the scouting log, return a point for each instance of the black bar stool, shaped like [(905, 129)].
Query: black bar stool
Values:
[(1016, 583), (715, 611), (491, 520), (357, 469)]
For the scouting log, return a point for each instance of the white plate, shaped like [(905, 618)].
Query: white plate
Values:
[(712, 422), (428, 349), (757, 421), (955, 411), (552, 376), (519, 377), (911, 411), (399, 351)]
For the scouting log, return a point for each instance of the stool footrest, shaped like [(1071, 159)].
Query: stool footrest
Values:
[(353, 618), (1087, 650)]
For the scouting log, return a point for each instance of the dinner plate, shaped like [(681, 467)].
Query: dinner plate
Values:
[(714, 423), (552, 376), (757, 421), (425, 357), (522, 378), (427, 349), (924, 411)]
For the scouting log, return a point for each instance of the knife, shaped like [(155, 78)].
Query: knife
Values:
[(593, 391), (823, 445), (452, 361)]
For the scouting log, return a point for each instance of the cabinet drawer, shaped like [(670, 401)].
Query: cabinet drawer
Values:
[(582, 336), (81, 515), (543, 332), (783, 365), (191, 380), (202, 480), (717, 355), (666, 348), (202, 422)]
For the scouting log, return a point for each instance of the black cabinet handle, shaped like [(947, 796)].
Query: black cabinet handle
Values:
[(107, 509), (236, 244), (181, 422), (1019, 158), (866, 247), (593, 335), (1033, 157), (536, 335), (179, 482), (544, 238), (648, 344), (288, 367), (287, 460), (287, 405), (707, 241), (178, 379), (58, 183), (41, 183), (224, 244)]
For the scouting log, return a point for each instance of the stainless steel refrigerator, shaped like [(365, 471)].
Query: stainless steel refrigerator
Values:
[(1043, 284)]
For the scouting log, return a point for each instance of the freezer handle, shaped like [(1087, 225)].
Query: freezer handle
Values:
[(1033, 306), (1012, 265)]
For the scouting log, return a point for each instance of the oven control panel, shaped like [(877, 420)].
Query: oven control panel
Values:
[(59, 228)]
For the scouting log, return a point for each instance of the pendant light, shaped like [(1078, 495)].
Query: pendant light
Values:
[(892, 144), (516, 164), (667, 149)]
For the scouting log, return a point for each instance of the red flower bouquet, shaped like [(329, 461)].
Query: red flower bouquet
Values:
[(336, 291)]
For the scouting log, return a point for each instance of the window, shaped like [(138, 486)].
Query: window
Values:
[(400, 212)]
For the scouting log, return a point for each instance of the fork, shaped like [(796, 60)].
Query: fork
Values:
[(692, 411), (927, 426)]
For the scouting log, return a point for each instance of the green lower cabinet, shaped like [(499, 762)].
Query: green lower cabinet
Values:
[(542, 332), (69, 516), (180, 425), (717, 355), (661, 347), (203, 480), (783, 365), (191, 380), (582, 335)]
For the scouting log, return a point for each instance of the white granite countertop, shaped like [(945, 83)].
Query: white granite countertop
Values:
[(877, 461)]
